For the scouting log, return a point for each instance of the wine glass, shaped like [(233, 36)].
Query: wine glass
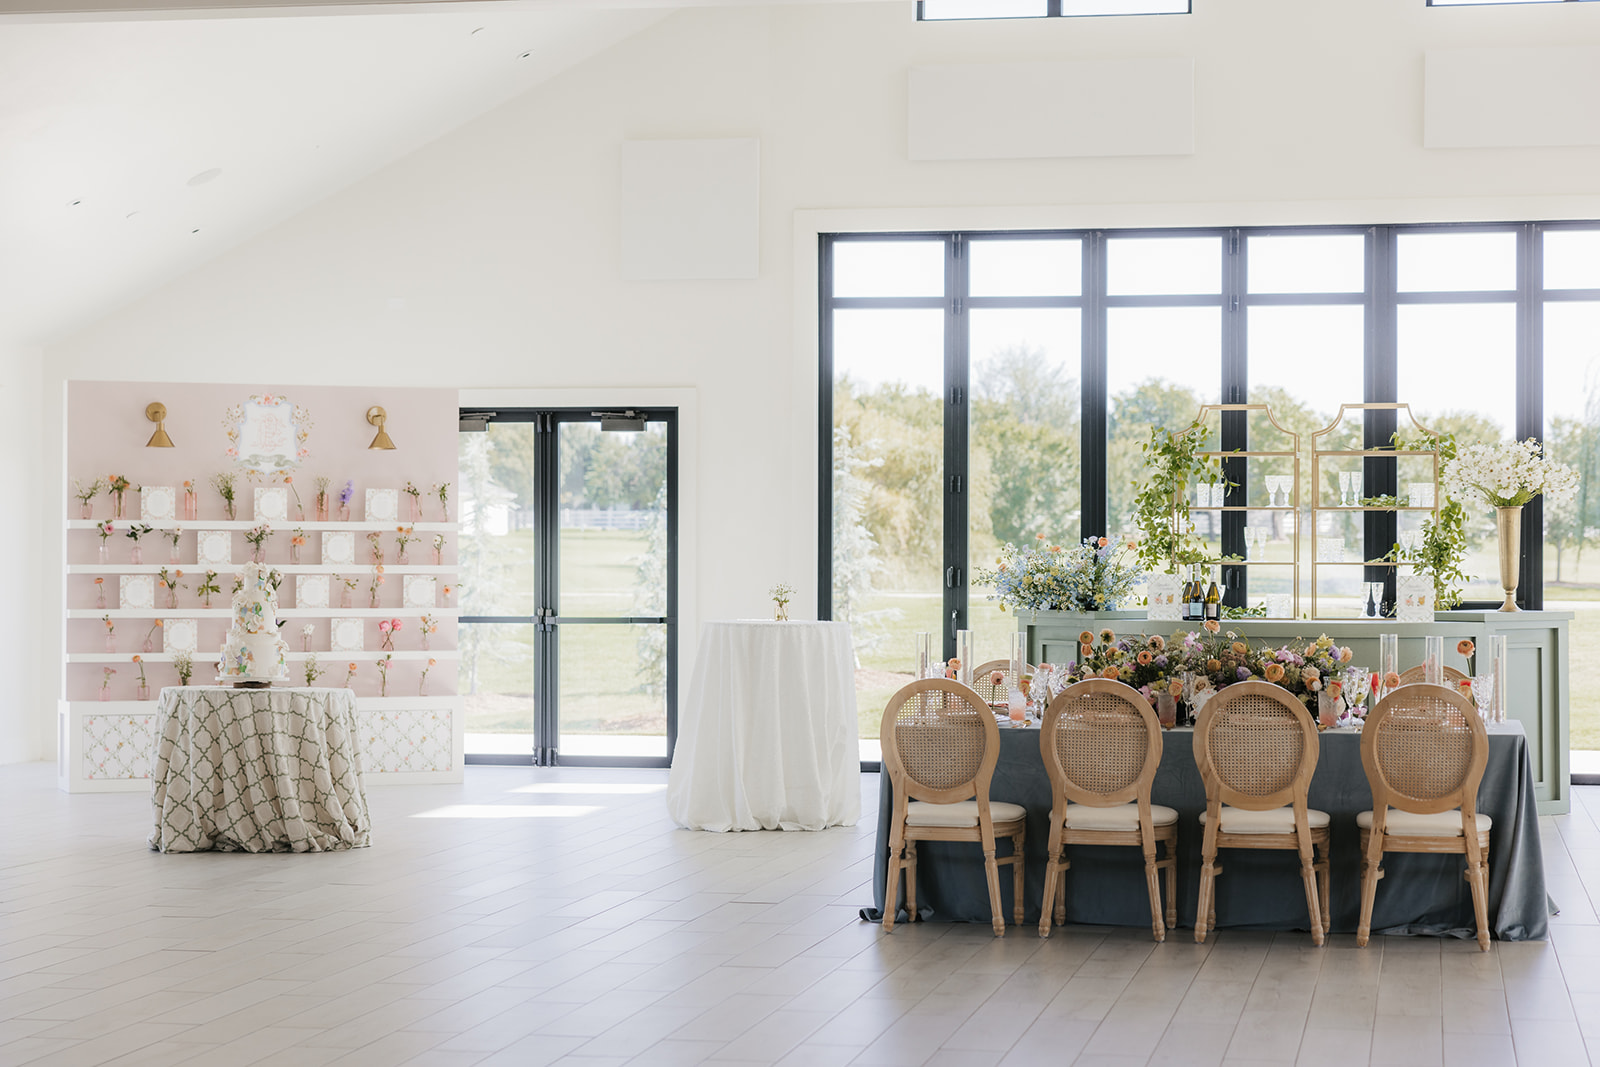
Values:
[(1344, 489)]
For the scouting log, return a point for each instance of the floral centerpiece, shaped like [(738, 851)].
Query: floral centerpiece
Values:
[(781, 594), (1508, 474), (313, 672), (184, 663), (1096, 575)]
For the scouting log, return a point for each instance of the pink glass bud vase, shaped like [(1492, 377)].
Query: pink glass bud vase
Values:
[(413, 507), (172, 556), (436, 555), (100, 597), (105, 693), (294, 553), (322, 509), (344, 512), (149, 645), (191, 506), (422, 686), (142, 692), (105, 552), (403, 558), (136, 554), (86, 510), (118, 501), (344, 598), (111, 642)]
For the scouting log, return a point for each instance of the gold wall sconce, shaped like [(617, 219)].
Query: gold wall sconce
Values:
[(377, 417), (157, 413)]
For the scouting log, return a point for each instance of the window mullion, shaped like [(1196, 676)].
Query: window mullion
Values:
[(1092, 396), (1530, 401), (956, 440), (1234, 425), (1381, 383)]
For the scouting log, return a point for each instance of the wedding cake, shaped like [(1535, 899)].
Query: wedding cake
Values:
[(253, 653)]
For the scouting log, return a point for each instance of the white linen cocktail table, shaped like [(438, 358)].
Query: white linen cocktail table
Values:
[(257, 770), (768, 738)]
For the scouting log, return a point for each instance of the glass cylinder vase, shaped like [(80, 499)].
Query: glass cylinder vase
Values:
[(964, 662), (142, 692), (105, 551), (191, 506), (924, 654), (402, 557), (322, 509), (344, 512), (1433, 660), (1388, 663), (136, 554), (294, 552), (344, 597), (1500, 667), (172, 553), (86, 510)]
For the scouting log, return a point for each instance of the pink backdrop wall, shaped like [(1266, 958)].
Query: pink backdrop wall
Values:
[(106, 433)]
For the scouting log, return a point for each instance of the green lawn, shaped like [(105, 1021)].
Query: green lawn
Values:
[(602, 688)]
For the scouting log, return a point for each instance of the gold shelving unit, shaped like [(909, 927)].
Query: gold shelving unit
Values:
[(1318, 509), (1292, 507)]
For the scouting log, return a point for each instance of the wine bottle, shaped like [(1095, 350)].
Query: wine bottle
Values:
[(1183, 600), (1213, 608), (1197, 592), (1372, 604)]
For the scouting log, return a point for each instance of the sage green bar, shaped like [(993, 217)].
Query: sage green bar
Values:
[(1536, 641)]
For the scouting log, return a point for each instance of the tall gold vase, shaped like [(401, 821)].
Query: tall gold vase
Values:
[(1508, 524)]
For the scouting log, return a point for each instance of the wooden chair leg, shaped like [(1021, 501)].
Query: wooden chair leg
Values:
[(1371, 871), (891, 892), (1205, 914), (1478, 879), (1018, 886), (911, 882), (1323, 888), (991, 871), (1158, 925), (1313, 905), (1052, 875), (1061, 889), (1172, 885)]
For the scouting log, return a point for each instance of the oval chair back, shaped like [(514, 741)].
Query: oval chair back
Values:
[(987, 689), (1256, 747), (1101, 744), (1424, 749), (940, 742), (1413, 675)]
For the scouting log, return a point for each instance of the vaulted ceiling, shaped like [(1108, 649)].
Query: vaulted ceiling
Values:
[(135, 147)]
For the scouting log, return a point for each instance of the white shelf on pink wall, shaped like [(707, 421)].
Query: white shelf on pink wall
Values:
[(286, 568), (250, 524), (287, 613), (418, 655)]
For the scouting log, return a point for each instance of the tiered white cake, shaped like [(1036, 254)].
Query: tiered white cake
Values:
[(253, 651)]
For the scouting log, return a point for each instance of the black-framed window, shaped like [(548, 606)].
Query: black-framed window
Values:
[(1497, 3), (949, 10), (944, 434)]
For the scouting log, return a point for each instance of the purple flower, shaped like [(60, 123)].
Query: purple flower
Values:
[(347, 492), (1161, 661), (1243, 673)]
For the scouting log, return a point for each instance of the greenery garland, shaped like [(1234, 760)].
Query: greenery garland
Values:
[(1167, 536)]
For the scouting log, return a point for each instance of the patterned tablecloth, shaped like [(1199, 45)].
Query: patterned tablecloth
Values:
[(258, 770)]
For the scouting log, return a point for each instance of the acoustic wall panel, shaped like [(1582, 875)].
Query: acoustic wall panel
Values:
[(1109, 107), (1511, 97), (690, 209)]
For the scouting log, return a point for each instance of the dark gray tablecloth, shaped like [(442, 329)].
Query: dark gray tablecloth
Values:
[(1420, 894)]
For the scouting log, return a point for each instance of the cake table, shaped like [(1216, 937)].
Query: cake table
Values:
[(257, 770)]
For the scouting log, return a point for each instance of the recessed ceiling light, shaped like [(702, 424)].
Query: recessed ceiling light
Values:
[(75, 203), (525, 55), (206, 176), (195, 230)]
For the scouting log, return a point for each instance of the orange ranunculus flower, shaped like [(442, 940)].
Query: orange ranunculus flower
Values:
[(1212, 625), (1311, 650), (1346, 654), (953, 663), (1213, 665), (1391, 680), (136, 659), (1239, 648), (1465, 647), (1145, 657), (1108, 635), (1086, 638), (1158, 643), (1104, 542), (997, 677), (158, 624), (1085, 650), (1109, 672), (1274, 672)]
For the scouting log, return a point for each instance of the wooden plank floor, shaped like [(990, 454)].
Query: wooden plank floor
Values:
[(533, 917)]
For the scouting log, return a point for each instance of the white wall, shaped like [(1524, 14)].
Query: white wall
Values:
[(24, 724), (502, 238)]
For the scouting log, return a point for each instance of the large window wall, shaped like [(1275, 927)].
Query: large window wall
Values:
[(979, 388)]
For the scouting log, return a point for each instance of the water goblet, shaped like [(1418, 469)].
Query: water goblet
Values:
[(1344, 489)]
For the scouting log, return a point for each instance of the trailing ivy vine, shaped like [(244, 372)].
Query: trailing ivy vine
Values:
[(1167, 536)]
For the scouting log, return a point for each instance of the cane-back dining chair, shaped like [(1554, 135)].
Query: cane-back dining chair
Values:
[(1413, 675), (940, 743), (1101, 744), (1424, 749), (1256, 747), (983, 680)]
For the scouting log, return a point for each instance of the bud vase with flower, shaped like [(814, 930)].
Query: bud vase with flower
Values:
[(191, 502)]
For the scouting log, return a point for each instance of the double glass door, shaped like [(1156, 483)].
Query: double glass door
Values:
[(569, 585)]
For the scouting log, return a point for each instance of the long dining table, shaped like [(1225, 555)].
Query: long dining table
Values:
[(1420, 893)]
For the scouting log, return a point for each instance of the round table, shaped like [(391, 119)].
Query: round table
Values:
[(257, 770), (768, 738)]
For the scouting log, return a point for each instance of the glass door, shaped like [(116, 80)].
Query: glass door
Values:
[(569, 586)]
